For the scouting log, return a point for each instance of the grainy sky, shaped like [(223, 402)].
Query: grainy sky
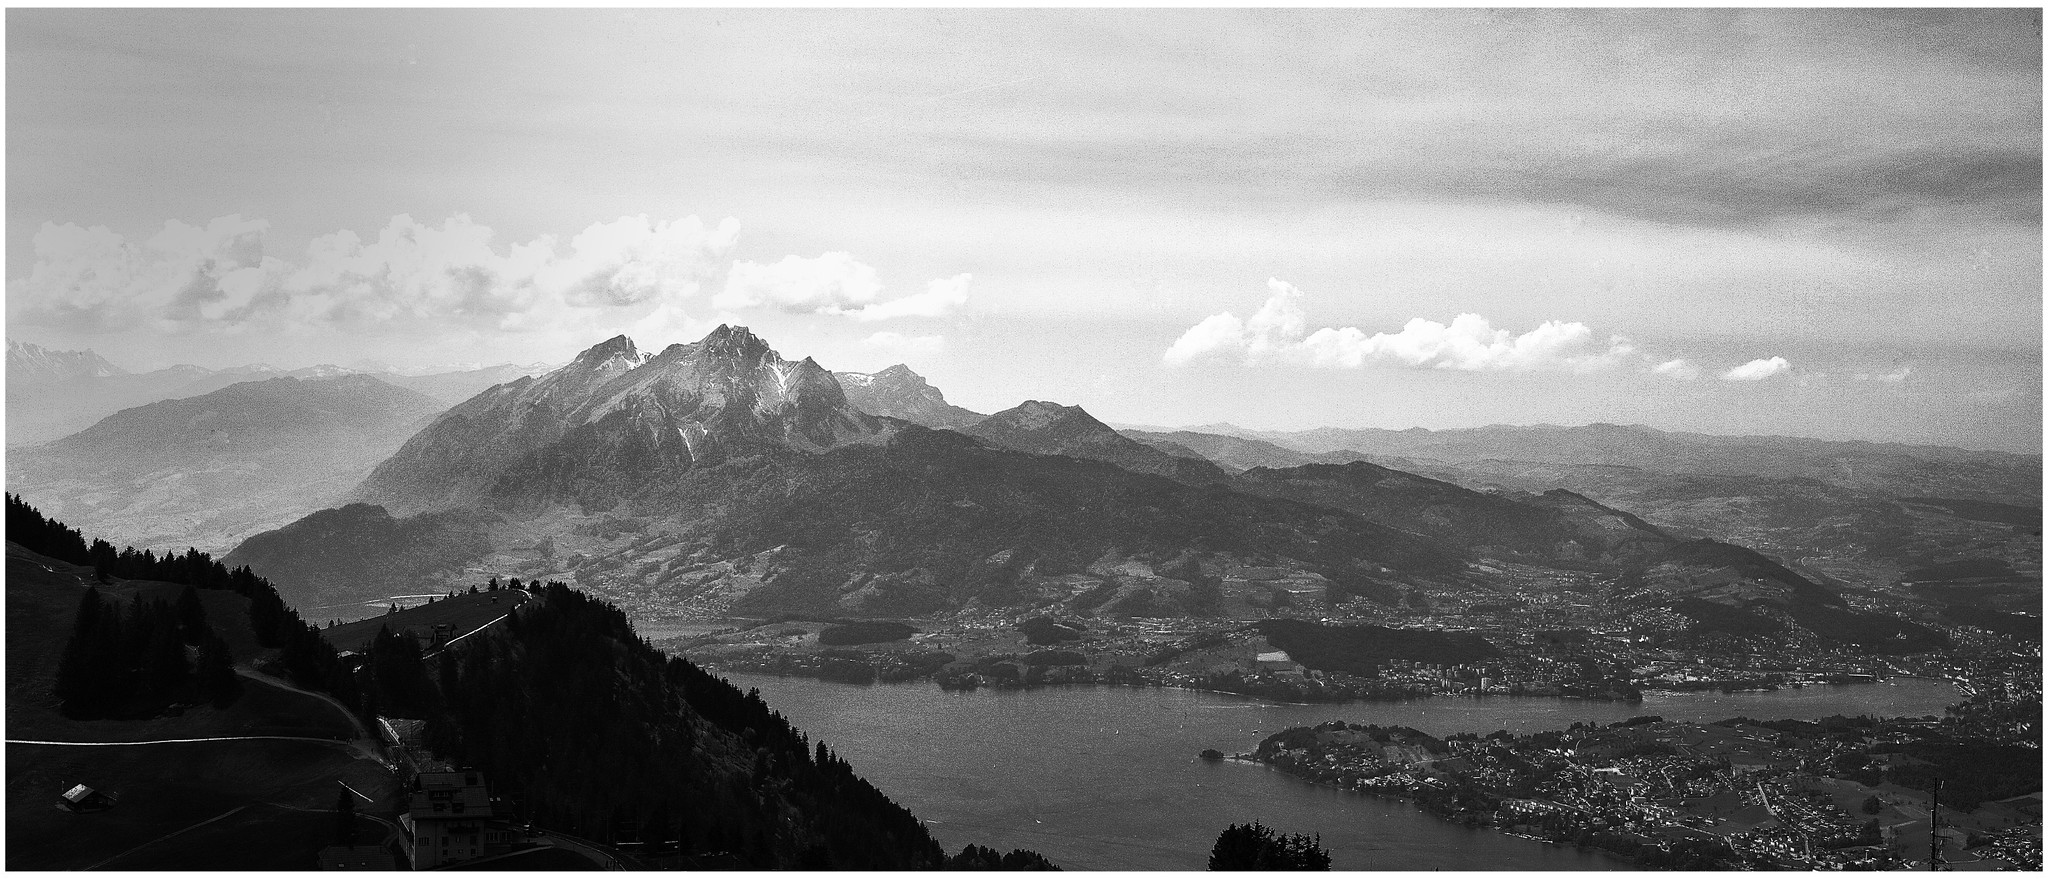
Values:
[(1810, 222)]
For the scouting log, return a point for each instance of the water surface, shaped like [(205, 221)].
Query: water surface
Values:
[(1106, 778)]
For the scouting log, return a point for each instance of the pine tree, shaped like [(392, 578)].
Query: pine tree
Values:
[(191, 616), (165, 668), (80, 669), (215, 675), (1254, 846)]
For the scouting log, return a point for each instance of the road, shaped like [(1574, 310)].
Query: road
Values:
[(360, 748), (317, 741), (451, 641), (596, 853)]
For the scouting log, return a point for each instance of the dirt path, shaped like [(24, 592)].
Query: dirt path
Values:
[(362, 732)]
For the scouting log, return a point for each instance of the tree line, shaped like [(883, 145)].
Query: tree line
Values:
[(134, 661), (131, 657)]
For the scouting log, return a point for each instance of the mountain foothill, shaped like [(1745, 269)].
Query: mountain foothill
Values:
[(719, 478)]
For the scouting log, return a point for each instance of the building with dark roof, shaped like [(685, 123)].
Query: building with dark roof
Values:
[(84, 799), (450, 819)]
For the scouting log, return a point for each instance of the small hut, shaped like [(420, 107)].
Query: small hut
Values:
[(84, 799)]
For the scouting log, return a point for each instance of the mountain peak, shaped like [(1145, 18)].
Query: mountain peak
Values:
[(31, 363), (618, 420), (616, 346), (735, 343), (900, 372), (1038, 413), (1044, 428), (899, 392)]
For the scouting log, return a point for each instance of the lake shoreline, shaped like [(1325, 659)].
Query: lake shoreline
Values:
[(1354, 700), (1108, 777)]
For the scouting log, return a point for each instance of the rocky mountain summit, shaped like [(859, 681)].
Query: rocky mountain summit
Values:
[(615, 421), (35, 364), (899, 392)]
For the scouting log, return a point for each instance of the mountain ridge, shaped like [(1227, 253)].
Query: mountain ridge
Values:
[(899, 392)]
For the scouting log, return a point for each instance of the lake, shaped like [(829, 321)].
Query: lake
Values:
[(1106, 778)]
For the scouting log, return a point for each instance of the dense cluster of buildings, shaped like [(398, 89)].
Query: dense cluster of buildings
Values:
[(1736, 794)]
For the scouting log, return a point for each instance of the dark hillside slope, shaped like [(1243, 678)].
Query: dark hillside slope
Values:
[(583, 725), (596, 732), (1740, 591), (300, 654), (359, 551), (186, 805), (1459, 516), (910, 523), (939, 502)]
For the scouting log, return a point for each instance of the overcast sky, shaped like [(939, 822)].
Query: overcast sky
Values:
[(1810, 222)]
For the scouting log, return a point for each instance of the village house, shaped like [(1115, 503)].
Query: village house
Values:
[(450, 819), (84, 799)]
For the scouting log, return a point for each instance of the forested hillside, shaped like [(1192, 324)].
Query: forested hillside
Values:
[(582, 726)]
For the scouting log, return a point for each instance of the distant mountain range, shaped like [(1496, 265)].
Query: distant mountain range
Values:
[(722, 462), (1852, 511), (34, 364), (720, 478), (1891, 468), (51, 394), (208, 470)]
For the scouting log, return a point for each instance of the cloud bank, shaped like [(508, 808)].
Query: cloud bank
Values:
[(220, 276), (1278, 334), (634, 271)]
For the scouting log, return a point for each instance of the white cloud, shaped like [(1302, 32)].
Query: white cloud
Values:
[(1757, 370), (828, 284), (903, 349), (1680, 368), (834, 283), (1894, 377), (1278, 333), (220, 277), (1216, 333), (96, 279), (940, 297)]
